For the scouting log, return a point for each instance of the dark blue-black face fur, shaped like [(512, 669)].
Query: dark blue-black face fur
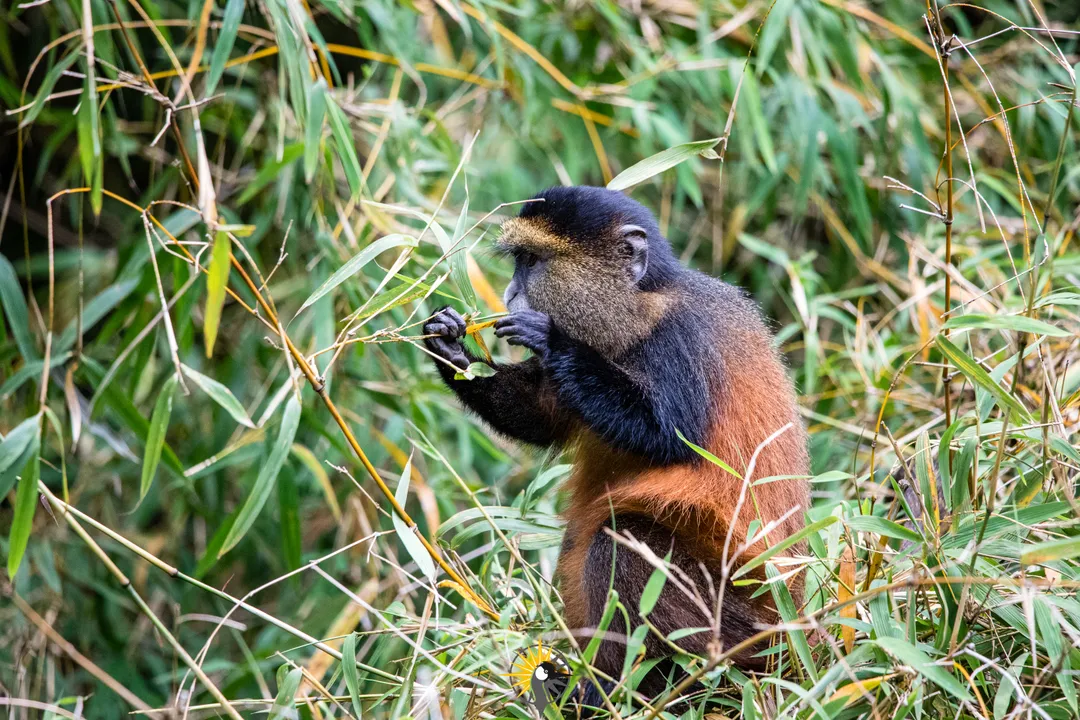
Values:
[(589, 216)]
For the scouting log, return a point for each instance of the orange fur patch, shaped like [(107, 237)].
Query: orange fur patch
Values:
[(699, 500)]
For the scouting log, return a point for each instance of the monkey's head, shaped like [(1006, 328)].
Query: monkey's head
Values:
[(594, 261)]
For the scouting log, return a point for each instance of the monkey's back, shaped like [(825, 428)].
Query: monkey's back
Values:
[(740, 378)]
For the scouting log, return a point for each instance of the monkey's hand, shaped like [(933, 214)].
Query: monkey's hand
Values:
[(528, 328), (448, 327)]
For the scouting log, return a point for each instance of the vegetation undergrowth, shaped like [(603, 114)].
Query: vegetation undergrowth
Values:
[(234, 486)]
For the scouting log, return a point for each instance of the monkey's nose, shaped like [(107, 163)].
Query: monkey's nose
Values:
[(515, 300)]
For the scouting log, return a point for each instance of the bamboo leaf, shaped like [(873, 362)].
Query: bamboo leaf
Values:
[(284, 706), (339, 126), (845, 590), (48, 84), (708, 455), (348, 669), (1018, 323), (316, 114), (458, 269), (217, 279), (25, 504), (661, 161), (356, 263), (221, 395), (90, 142), (407, 534), (264, 483), (230, 25), (155, 439), (269, 172), (789, 613), (974, 372), (14, 304), (305, 456), (1051, 551), (652, 590), (883, 526), (908, 654), (16, 449), (784, 545)]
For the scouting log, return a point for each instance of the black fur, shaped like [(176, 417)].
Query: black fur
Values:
[(629, 405), (674, 610)]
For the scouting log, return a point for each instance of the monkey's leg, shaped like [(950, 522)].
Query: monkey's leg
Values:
[(621, 568)]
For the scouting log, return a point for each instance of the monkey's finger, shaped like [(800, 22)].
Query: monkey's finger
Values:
[(436, 328), (459, 323), (452, 320)]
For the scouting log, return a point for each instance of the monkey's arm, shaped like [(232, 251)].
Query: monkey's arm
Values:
[(517, 401), (638, 404)]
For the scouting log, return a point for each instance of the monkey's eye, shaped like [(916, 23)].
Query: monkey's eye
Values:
[(526, 259)]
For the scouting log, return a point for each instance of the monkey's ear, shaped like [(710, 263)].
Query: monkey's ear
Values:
[(637, 249)]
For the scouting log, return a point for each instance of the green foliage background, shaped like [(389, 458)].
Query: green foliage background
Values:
[(336, 124)]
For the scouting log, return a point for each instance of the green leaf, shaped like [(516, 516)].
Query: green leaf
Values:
[(749, 709), (48, 84), (1052, 550), (789, 613), (356, 263), (908, 654), (16, 449), (771, 33), (784, 545), (1018, 323), (217, 278), (14, 304), (974, 372), (883, 526), (101, 305), (155, 439), (221, 395), (269, 172), (476, 370), (459, 260), (408, 537), (90, 142), (661, 161), (652, 590), (230, 25), (268, 472), (316, 114), (289, 520), (30, 370), (1007, 689), (23, 521), (348, 669), (708, 455), (339, 125), (284, 704)]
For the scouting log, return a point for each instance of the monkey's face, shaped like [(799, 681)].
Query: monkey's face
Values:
[(594, 261), (585, 289)]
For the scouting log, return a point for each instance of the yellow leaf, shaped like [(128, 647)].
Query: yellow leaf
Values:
[(854, 691), (844, 593), (216, 280)]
